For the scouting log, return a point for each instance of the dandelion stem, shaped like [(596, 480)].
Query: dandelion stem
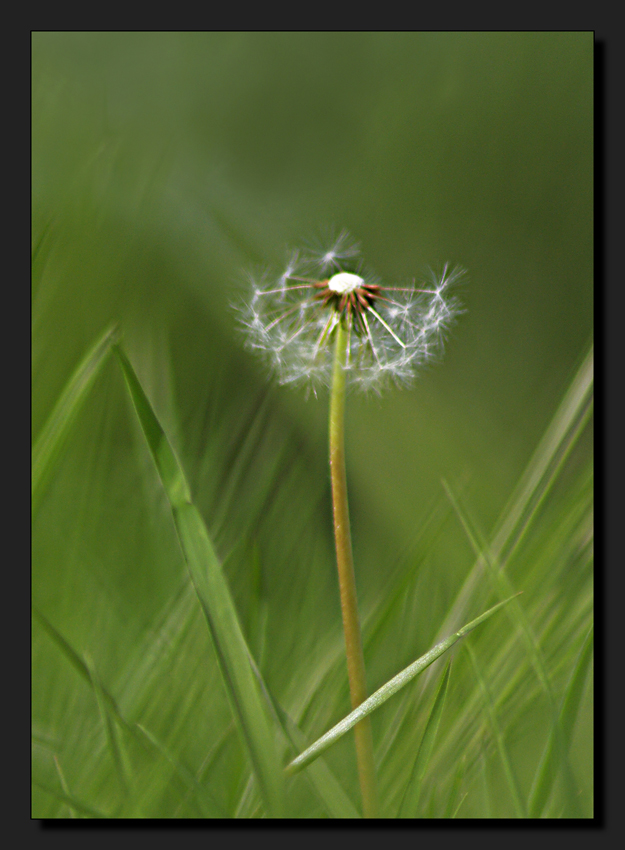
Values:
[(347, 584)]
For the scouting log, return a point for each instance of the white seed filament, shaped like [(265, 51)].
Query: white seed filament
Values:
[(345, 282)]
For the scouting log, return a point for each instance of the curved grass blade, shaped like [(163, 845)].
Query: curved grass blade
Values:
[(410, 803), (52, 437), (214, 596), (386, 691)]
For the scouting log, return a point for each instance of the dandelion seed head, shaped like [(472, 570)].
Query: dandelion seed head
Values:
[(291, 316)]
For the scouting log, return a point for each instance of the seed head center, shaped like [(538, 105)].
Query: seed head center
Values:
[(345, 282)]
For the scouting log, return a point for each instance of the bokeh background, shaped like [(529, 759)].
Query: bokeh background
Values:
[(164, 167)]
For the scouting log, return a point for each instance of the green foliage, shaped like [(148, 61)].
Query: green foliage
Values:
[(385, 692), (210, 585), (410, 803), (54, 434), (164, 166)]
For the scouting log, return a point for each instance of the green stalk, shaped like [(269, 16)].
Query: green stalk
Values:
[(347, 584)]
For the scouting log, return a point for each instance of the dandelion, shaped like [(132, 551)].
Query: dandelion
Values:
[(293, 316), (327, 319)]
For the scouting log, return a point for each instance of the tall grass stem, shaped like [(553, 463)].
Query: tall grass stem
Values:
[(347, 583)]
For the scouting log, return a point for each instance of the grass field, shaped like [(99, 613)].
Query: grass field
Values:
[(187, 641)]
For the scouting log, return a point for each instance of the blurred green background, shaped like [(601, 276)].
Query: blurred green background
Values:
[(164, 166)]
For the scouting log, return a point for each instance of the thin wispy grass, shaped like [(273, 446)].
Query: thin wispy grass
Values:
[(55, 433), (420, 773)]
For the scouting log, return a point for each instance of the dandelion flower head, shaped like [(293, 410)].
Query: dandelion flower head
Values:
[(292, 315)]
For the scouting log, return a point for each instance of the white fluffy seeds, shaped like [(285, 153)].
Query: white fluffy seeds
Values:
[(290, 318)]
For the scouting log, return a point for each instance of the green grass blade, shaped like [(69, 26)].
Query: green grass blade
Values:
[(486, 786), (547, 769), (323, 781), (53, 435), (521, 621), (71, 801), (510, 774), (454, 814), (216, 600), (115, 746), (504, 586), (64, 786), (204, 801), (410, 804), (79, 665), (385, 692), (107, 706), (556, 444), (453, 803)]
